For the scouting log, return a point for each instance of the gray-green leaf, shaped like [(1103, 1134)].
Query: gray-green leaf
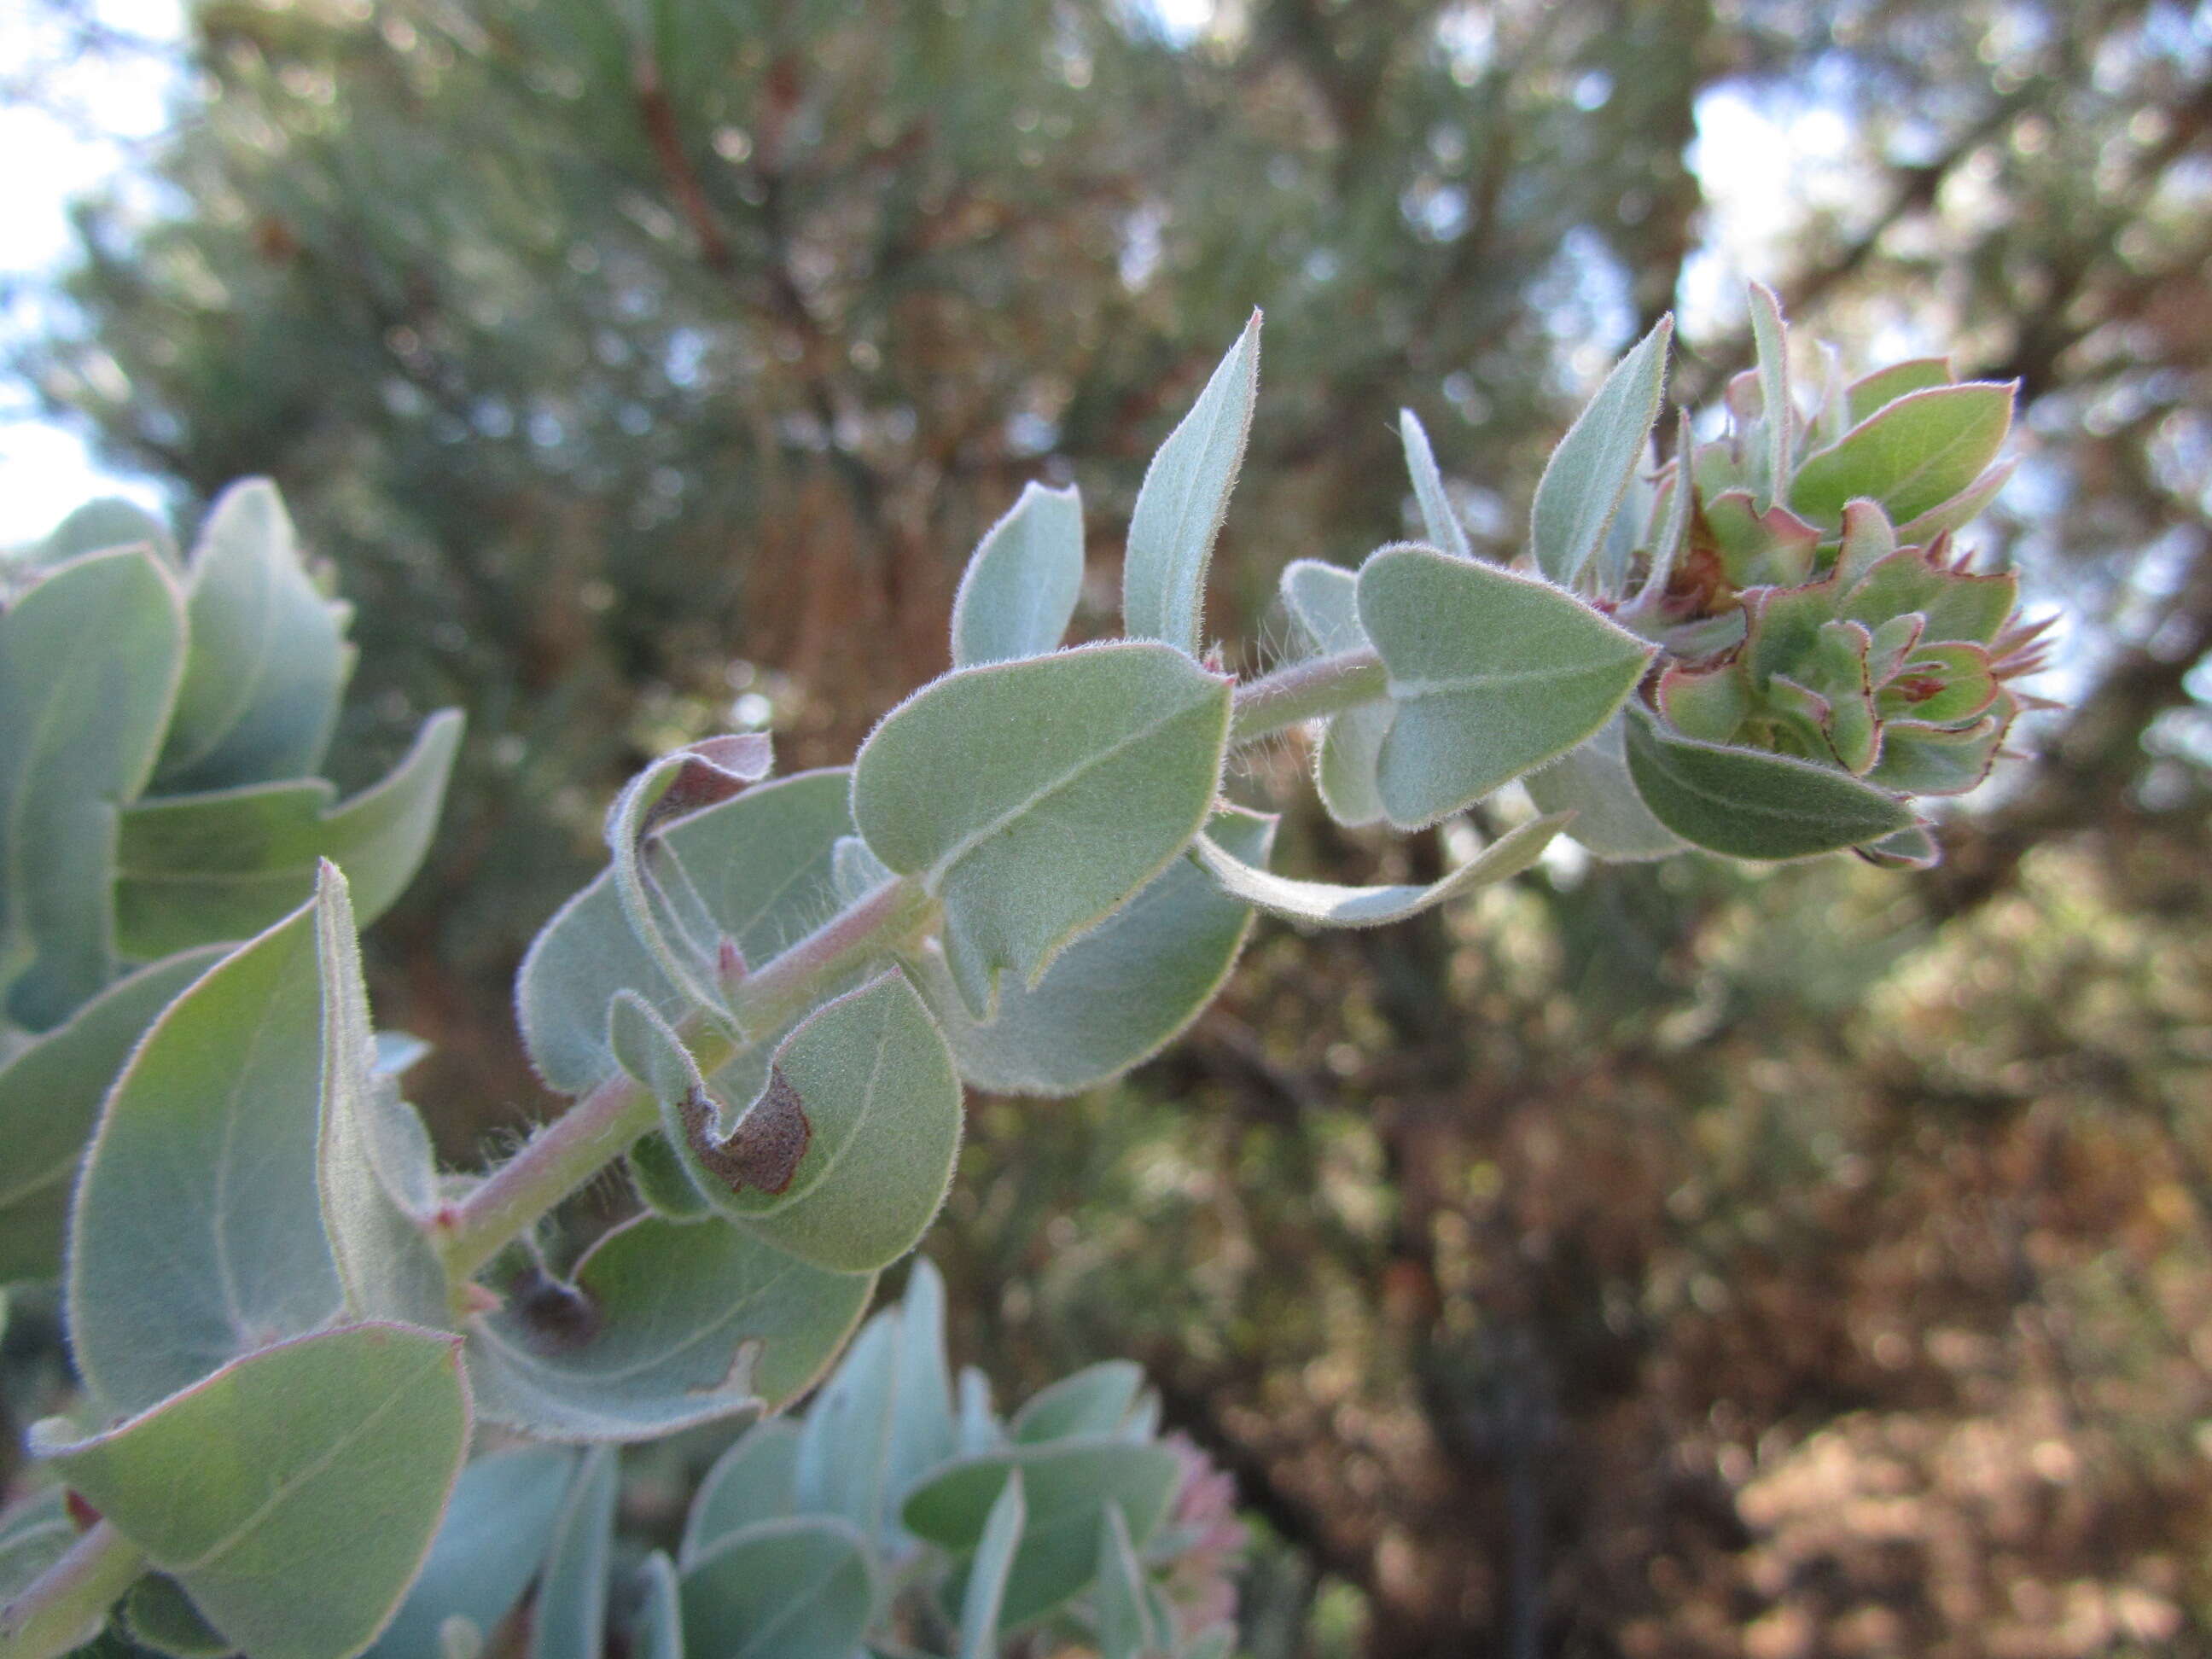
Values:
[(569, 1620), (488, 1548), (1491, 674), (802, 1588), (197, 1233), (195, 868), (1183, 499), (666, 1325), (1119, 994), (1610, 819), (1911, 455), (324, 1462), (1588, 473), (871, 1074), (90, 658), (1067, 1485), (372, 1164), (1035, 798), (50, 1095), (985, 1593), (268, 661), (1022, 582), (1438, 521), (1325, 904), (1750, 803), (1094, 1400), (755, 1481), (761, 864)]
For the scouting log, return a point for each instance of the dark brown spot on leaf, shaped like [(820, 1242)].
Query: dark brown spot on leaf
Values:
[(764, 1148)]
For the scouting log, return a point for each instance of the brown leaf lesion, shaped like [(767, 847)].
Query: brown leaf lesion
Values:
[(763, 1148)]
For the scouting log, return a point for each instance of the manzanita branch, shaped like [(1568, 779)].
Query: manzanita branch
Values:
[(1306, 690)]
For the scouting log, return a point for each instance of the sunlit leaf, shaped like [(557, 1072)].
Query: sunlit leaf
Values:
[(1022, 582), (1035, 798), (1589, 472), (1183, 499), (1326, 904)]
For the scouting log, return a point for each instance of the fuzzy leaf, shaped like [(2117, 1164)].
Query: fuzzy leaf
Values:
[(802, 1588), (324, 1462), (665, 1325), (1491, 674), (1752, 805), (760, 861), (1610, 819), (1325, 904), (268, 661), (1035, 798), (89, 660), (755, 1481), (1589, 472), (657, 1630), (1868, 393), (1094, 1400), (1771, 342), (1911, 455), (1022, 582), (570, 1618), (33, 1534), (372, 1164), (195, 868), (196, 1235), (884, 1420), (1324, 599), (487, 1549), (1439, 523), (1119, 994), (1183, 499), (50, 1095), (1067, 1485), (983, 1597), (100, 526), (1123, 1624), (881, 1104)]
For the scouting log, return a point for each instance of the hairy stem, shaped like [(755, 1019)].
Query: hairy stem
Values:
[(599, 1127), (1305, 691), (65, 1606)]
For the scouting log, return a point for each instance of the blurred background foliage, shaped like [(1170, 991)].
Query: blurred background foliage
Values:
[(1687, 1261)]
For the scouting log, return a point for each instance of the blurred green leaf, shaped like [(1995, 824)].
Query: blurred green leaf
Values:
[(488, 1548), (268, 660), (195, 868), (1092, 1401), (802, 1588), (984, 1595), (755, 1481), (1610, 819), (89, 660), (568, 1619), (1067, 1485)]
